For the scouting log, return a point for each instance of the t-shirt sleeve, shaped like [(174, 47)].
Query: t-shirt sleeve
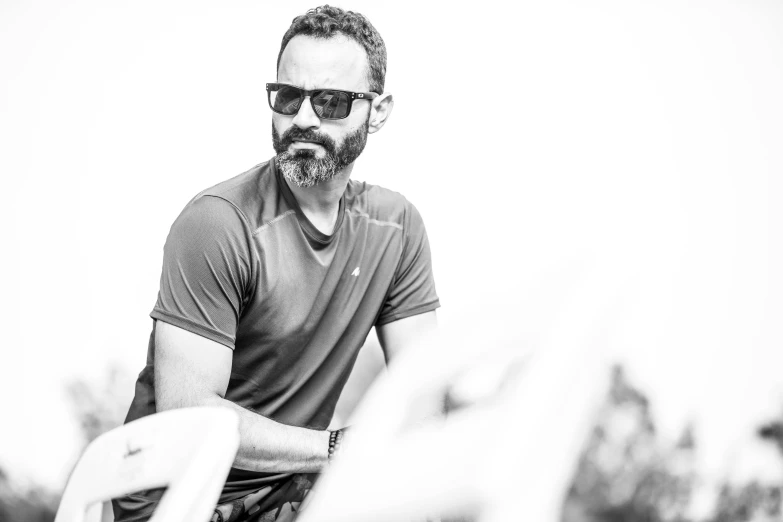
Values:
[(207, 270), (413, 288)]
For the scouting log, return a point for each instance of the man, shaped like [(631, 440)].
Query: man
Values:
[(272, 280)]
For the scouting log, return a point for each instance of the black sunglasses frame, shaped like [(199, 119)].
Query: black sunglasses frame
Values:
[(303, 93)]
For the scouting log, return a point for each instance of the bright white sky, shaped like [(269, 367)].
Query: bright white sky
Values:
[(546, 145)]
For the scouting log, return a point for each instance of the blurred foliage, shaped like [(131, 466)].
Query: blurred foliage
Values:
[(25, 504), (100, 407), (626, 473), (97, 408), (773, 432)]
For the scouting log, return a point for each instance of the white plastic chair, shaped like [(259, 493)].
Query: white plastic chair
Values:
[(189, 450)]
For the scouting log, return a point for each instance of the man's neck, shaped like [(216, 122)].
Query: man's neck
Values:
[(321, 202)]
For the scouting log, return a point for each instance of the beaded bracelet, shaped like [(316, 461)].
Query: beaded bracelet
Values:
[(335, 438)]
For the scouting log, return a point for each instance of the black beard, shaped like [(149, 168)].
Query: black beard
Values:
[(303, 168)]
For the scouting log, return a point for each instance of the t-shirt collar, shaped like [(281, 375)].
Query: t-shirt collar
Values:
[(307, 227)]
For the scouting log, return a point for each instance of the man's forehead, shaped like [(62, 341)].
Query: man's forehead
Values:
[(338, 62)]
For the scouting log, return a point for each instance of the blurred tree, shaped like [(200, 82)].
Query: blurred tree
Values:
[(25, 504), (623, 473), (752, 502), (773, 432), (97, 408), (100, 407), (627, 474)]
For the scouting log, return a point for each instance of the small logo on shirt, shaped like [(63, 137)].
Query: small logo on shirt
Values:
[(355, 272)]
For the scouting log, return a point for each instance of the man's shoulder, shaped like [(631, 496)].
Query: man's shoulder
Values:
[(377, 203), (253, 193)]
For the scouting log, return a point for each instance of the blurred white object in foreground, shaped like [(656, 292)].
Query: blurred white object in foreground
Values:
[(508, 448), (189, 450)]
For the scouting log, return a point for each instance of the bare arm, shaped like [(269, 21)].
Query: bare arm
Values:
[(191, 370), (414, 333), (396, 336)]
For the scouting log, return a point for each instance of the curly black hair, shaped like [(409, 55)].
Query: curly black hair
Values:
[(327, 21)]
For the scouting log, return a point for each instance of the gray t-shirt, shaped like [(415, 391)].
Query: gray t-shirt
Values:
[(243, 266)]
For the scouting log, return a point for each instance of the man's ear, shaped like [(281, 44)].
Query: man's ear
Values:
[(380, 111)]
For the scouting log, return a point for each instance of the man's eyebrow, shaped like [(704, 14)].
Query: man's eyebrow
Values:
[(319, 88)]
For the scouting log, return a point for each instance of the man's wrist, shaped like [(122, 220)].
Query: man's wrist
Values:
[(335, 442)]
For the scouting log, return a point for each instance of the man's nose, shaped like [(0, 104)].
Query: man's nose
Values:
[(306, 118)]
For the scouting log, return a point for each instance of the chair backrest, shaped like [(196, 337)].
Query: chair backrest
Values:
[(189, 451)]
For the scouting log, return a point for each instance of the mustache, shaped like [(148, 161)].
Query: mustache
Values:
[(295, 133)]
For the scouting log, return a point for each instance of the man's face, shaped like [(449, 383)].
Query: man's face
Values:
[(310, 150)]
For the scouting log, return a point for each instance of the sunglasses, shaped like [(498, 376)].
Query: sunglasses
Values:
[(328, 104)]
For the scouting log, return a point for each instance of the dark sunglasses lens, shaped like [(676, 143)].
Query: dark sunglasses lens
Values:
[(331, 105), (286, 100)]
